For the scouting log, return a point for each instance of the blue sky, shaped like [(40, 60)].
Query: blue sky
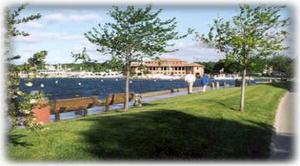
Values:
[(60, 31)]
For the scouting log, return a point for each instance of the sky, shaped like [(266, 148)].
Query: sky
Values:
[(60, 31)]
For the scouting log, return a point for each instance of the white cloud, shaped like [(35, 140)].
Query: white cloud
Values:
[(48, 37), (55, 17), (59, 17), (193, 51), (91, 50), (86, 17), (31, 24)]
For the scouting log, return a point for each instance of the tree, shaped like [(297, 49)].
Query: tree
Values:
[(38, 60), (257, 66), (89, 64), (12, 20), (83, 56), (21, 103), (16, 99), (28, 100), (135, 34), (227, 65), (255, 33), (209, 66), (283, 65)]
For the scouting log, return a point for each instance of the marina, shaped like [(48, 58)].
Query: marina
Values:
[(61, 88)]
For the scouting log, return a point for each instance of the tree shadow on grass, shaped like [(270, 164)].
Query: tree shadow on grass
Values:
[(171, 134), (287, 85), (15, 139), (149, 104), (220, 103)]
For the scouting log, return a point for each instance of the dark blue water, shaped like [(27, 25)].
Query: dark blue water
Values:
[(60, 88)]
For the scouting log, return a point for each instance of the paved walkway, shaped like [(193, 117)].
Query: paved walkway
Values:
[(283, 137)]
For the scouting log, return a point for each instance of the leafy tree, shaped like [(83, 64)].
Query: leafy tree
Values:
[(209, 66), (134, 34), (282, 64), (83, 56), (88, 64), (258, 66), (227, 65), (38, 60), (16, 99), (12, 20), (255, 33)]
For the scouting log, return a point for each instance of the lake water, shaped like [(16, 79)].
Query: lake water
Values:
[(60, 88)]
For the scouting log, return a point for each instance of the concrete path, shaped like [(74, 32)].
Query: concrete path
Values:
[(282, 145)]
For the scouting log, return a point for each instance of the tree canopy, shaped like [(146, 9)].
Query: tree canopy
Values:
[(282, 65), (12, 20), (256, 33), (134, 34), (137, 32), (19, 102)]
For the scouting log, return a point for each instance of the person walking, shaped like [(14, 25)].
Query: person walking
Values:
[(190, 79), (205, 81)]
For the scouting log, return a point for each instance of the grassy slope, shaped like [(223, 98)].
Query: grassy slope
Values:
[(195, 126)]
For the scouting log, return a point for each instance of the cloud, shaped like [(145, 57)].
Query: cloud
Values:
[(60, 17), (48, 37), (55, 17), (190, 51), (86, 17), (91, 50), (31, 24), (194, 52)]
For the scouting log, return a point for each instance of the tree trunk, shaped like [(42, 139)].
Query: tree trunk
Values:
[(243, 86), (127, 89)]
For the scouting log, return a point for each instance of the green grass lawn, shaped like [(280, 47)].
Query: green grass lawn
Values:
[(197, 126)]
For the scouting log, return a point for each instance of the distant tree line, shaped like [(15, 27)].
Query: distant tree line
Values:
[(113, 65), (280, 66), (94, 66)]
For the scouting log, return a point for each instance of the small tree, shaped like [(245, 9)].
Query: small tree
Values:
[(18, 101), (37, 61), (136, 33), (283, 65), (83, 58), (255, 33)]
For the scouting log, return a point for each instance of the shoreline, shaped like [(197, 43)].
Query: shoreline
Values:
[(170, 91)]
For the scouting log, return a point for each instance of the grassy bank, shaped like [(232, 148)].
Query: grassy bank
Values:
[(198, 126)]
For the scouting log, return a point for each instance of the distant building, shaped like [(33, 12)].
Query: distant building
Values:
[(168, 66)]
